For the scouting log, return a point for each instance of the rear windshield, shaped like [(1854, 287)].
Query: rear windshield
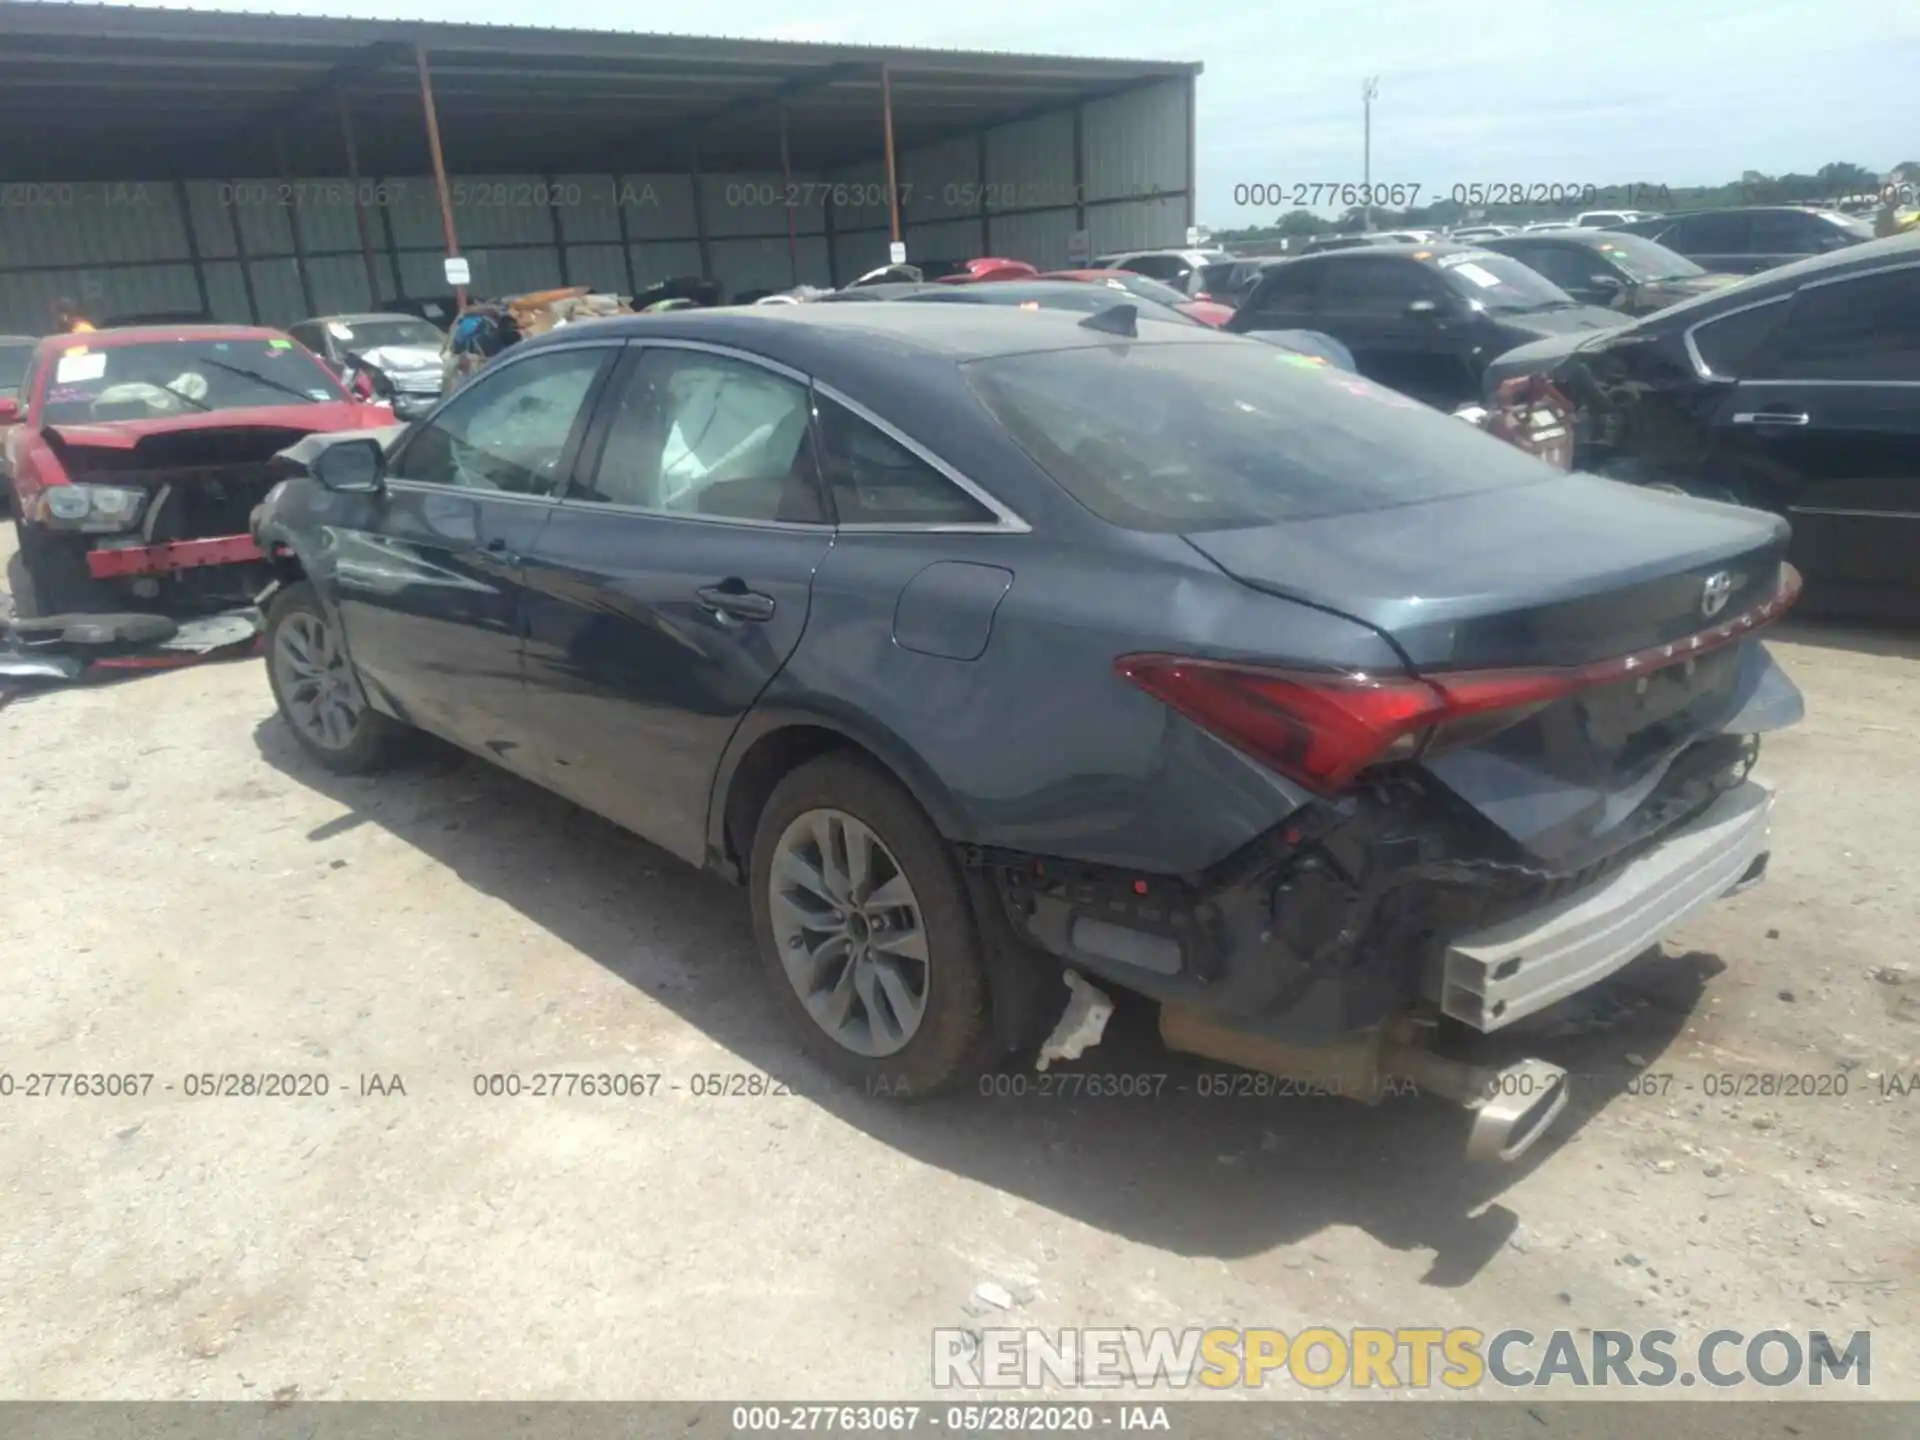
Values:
[(181, 377), (1183, 437)]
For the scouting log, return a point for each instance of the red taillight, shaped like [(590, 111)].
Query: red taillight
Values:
[(1322, 728), (1319, 729)]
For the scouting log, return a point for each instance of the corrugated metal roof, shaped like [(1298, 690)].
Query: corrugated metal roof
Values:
[(434, 33), (108, 91)]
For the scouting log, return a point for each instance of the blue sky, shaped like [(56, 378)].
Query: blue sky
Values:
[(1574, 91)]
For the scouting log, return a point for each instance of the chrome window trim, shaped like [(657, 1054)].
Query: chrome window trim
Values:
[(1849, 384), (414, 426), (434, 487), (1700, 365), (1854, 514), (669, 342), (1006, 523), (1852, 275)]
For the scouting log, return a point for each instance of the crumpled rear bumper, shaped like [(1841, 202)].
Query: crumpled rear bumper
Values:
[(1491, 978)]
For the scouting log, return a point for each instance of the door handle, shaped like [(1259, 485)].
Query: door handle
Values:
[(1772, 417), (497, 549), (731, 600)]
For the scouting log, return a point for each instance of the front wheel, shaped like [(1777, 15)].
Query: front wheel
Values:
[(866, 933), (318, 694), (57, 573)]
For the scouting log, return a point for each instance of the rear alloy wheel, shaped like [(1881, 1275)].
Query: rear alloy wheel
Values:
[(866, 931), (847, 927), (317, 691)]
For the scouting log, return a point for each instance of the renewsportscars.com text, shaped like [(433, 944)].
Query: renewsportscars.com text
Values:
[(1405, 1358)]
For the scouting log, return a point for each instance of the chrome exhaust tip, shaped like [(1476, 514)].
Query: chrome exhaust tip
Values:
[(1519, 1104)]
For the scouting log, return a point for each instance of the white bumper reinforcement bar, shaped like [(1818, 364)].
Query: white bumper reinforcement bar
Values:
[(1493, 977)]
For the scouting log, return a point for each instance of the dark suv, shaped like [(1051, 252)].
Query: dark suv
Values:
[(1420, 319), (1754, 238), (1796, 391)]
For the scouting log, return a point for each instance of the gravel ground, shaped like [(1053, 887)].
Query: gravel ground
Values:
[(187, 894)]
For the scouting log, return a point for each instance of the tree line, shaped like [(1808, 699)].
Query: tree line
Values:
[(1830, 182)]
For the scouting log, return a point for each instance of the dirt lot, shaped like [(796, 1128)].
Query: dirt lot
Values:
[(186, 894)]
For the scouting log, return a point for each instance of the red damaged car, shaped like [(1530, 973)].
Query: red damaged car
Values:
[(135, 458)]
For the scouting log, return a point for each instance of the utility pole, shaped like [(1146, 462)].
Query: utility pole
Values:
[(1369, 88)]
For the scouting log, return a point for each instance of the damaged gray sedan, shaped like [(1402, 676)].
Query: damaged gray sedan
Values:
[(983, 645)]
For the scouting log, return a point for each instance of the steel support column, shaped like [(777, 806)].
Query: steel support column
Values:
[(375, 290), (626, 239), (786, 176), (246, 265), (439, 166), (980, 195), (184, 201), (699, 208), (293, 221), (886, 120)]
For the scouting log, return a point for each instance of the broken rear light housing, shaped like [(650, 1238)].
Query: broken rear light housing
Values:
[(1323, 728)]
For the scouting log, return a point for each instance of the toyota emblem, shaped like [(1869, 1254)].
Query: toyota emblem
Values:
[(1715, 594)]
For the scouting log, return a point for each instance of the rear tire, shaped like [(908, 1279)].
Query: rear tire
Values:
[(848, 930), (317, 691)]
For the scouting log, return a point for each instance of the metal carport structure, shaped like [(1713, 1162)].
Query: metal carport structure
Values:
[(261, 167)]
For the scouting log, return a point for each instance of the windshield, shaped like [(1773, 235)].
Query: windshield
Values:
[(182, 377), (1644, 260), (388, 330), (13, 364), (1852, 224), (1500, 283), (1181, 437)]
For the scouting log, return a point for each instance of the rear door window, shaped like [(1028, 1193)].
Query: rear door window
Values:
[(876, 480), (1223, 434), (1712, 233), (1788, 232), (1866, 329), (698, 434)]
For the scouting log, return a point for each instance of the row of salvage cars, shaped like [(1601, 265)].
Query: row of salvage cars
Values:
[(987, 644)]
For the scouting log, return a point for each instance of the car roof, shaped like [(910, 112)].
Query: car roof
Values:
[(1733, 210), (1868, 255), (1406, 249), (1100, 277), (363, 315), (155, 334), (1590, 236), (955, 331)]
